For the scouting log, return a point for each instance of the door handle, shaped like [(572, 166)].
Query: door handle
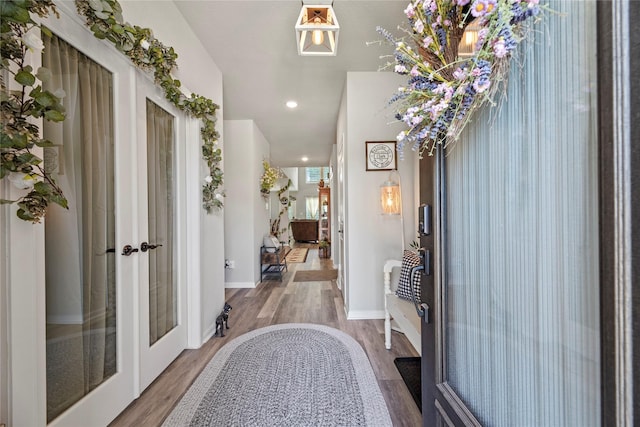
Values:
[(144, 246), (421, 308), (127, 250), (417, 304)]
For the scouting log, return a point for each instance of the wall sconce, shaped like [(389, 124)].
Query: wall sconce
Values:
[(467, 45), (317, 31), (390, 198)]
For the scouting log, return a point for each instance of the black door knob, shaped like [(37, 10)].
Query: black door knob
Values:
[(127, 250), (144, 246)]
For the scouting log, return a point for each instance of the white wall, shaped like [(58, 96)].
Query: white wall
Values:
[(198, 73), (246, 213), (370, 237), (292, 174)]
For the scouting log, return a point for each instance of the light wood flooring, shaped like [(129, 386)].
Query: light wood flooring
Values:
[(274, 302)]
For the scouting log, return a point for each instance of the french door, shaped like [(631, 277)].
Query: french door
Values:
[(89, 286), (162, 289), (115, 287), (516, 326)]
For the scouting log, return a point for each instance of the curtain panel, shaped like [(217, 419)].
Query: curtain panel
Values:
[(80, 273), (161, 195)]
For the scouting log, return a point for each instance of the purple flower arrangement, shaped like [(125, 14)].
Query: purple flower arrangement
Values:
[(443, 89)]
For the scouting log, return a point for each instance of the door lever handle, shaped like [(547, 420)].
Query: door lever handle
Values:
[(127, 250), (417, 304), (144, 246), (425, 267)]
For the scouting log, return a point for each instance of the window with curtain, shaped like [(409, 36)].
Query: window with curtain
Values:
[(314, 174), (521, 317), (311, 207)]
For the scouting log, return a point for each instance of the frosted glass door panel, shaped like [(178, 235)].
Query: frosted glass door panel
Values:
[(521, 262)]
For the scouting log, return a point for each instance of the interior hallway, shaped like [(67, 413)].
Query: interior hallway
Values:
[(275, 302)]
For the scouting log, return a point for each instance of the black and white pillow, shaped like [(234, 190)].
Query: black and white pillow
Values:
[(410, 259)]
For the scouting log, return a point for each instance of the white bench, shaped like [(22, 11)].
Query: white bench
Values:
[(400, 312)]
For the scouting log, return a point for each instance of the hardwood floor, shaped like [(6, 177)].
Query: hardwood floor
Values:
[(274, 302)]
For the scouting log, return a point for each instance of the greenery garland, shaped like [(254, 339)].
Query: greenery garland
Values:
[(18, 136), (104, 18), (285, 203), (269, 177)]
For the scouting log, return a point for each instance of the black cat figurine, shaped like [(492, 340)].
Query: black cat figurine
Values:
[(222, 320)]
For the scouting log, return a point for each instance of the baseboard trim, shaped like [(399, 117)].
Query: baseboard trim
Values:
[(365, 314), (234, 285), (208, 333)]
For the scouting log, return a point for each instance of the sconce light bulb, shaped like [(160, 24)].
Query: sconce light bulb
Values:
[(468, 37)]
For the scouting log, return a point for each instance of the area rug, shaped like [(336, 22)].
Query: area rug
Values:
[(297, 255), (315, 275), (285, 375), (410, 370)]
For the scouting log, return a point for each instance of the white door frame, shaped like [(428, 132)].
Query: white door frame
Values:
[(340, 223)]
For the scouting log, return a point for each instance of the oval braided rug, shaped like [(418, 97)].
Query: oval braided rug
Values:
[(285, 375)]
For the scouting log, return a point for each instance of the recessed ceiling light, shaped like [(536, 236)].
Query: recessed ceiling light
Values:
[(305, 159), (292, 104)]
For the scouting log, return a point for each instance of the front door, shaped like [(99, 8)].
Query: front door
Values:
[(517, 324), (428, 289)]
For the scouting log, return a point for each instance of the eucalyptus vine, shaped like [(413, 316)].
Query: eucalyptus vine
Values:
[(104, 18), (285, 203), (23, 100)]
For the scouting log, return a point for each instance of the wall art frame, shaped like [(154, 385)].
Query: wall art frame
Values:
[(381, 155)]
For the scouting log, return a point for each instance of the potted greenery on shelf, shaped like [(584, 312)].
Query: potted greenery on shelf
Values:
[(324, 248)]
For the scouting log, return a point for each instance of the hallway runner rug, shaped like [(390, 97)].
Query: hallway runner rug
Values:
[(297, 255), (285, 375), (315, 275)]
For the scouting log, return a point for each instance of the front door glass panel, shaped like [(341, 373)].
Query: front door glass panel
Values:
[(521, 314)]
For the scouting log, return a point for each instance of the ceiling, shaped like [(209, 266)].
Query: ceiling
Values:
[(254, 45)]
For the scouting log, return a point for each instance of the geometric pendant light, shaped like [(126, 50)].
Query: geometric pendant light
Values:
[(317, 30)]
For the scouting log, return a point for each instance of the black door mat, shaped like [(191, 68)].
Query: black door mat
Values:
[(409, 368)]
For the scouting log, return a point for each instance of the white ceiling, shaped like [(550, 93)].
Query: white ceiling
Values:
[(254, 45)]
